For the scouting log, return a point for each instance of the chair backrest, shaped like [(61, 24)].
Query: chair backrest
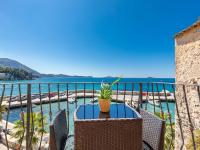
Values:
[(153, 130), (58, 131)]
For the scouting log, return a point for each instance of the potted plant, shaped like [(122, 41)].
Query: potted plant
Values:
[(106, 96)]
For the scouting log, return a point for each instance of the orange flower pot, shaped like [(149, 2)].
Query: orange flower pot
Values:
[(104, 105)]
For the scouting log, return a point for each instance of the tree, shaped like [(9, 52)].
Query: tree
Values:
[(16, 74), (37, 124), (2, 111)]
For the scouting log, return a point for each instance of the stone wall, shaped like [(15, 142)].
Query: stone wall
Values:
[(187, 45)]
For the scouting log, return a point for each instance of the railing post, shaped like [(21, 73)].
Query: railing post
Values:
[(28, 117), (140, 97)]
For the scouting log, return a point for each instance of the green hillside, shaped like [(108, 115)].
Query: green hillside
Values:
[(8, 73)]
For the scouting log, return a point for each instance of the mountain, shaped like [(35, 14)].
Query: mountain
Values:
[(6, 62), (63, 75)]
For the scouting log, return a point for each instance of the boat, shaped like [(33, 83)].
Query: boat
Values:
[(154, 103), (33, 105), (71, 100), (94, 100)]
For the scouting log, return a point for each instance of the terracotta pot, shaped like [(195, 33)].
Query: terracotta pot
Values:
[(104, 115), (104, 105)]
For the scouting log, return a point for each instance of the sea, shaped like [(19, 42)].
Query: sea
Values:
[(131, 84)]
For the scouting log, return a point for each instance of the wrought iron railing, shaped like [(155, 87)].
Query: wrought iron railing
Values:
[(30, 107)]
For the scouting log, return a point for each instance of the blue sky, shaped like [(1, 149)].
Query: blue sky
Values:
[(133, 38)]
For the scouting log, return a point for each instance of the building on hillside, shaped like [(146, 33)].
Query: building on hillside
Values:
[(2, 76)]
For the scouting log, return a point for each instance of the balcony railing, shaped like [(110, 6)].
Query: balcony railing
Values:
[(30, 107)]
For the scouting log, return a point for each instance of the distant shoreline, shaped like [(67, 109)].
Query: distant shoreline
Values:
[(88, 77)]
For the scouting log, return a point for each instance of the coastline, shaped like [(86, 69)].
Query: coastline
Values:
[(72, 96)]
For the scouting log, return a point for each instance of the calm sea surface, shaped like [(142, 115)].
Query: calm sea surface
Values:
[(63, 80)]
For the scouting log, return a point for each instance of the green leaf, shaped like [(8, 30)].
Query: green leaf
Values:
[(106, 90), (36, 127)]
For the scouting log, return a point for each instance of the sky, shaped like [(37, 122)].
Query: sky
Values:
[(132, 38)]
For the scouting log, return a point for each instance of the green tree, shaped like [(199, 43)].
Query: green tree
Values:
[(16, 74), (37, 124), (2, 111)]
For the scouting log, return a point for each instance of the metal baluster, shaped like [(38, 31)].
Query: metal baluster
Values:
[(67, 86), (198, 91), (58, 88), (169, 116), (84, 98), (22, 114), (124, 99), (117, 97), (147, 97), (132, 94), (2, 95), (140, 100), (84, 92), (41, 110), (152, 89), (28, 117), (8, 113), (161, 109), (132, 98), (189, 118), (93, 92), (76, 95), (32, 125), (179, 118), (93, 99), (50, 112)]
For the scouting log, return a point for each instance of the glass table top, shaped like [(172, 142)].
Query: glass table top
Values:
[(90, 111)]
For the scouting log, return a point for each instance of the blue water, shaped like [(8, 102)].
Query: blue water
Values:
[(165, 106), (15, 113), (63, 80)]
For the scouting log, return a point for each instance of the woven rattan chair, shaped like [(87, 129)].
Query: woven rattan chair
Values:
[(59, 136), (153, 130)]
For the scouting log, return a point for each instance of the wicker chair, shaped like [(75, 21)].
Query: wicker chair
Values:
[(59, 136), (153, 130)]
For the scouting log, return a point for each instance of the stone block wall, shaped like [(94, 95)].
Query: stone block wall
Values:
[(187, 50)]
